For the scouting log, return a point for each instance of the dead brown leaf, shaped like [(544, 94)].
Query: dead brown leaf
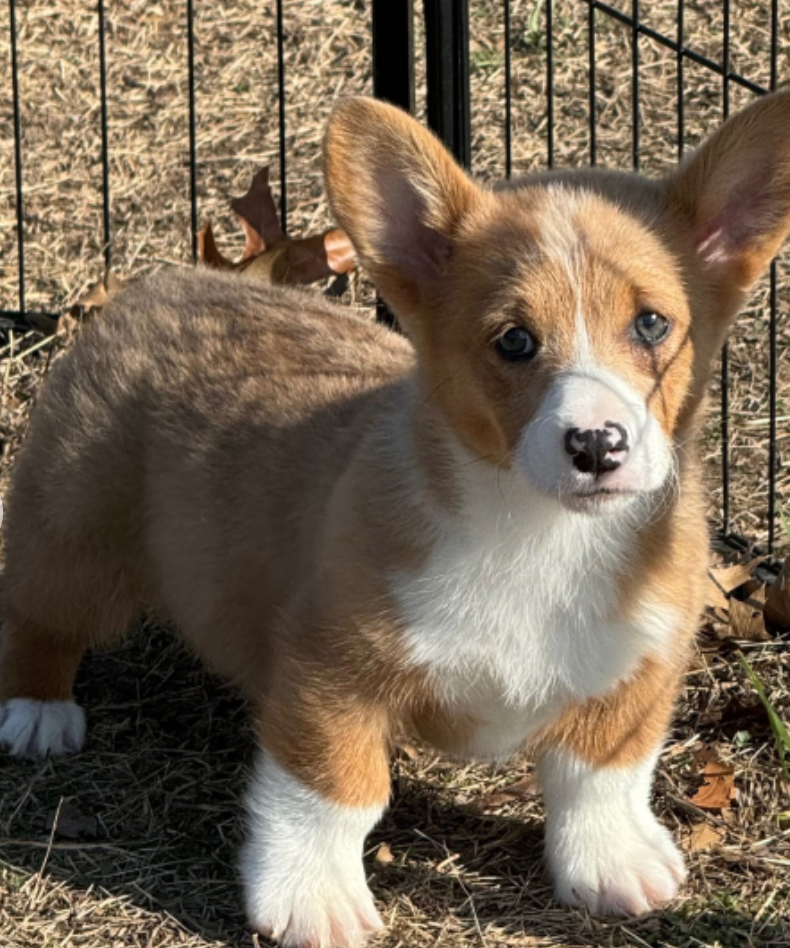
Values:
[(208, 252), (702, 838), (728, 578), (268, 253), (755, 589), (746, 621), (714, 595), (718, 788), (306, 260), (97, 297), (517, 792), (339, 251), (777, 602), (257, 214)]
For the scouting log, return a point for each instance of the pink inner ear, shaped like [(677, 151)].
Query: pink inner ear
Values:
[(745, 219), (424, 258), (405, 240)]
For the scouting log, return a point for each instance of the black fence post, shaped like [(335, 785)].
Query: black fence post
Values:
[(105, 141), (193, 208), (447, 74), (392, 31), (393, 52), (20, 212)]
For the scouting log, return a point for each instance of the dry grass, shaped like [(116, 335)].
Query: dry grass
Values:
[(169, 746)]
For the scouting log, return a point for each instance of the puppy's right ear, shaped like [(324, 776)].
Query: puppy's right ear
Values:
[(399, 195)]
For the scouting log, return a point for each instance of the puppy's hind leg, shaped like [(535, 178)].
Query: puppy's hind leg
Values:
[(52, 612)]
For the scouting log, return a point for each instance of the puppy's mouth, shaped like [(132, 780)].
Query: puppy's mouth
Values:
[(599, 500)]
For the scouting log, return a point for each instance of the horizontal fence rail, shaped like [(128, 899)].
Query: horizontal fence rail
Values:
[(440, 84)]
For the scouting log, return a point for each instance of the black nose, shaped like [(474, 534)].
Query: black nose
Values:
[(592, 450)]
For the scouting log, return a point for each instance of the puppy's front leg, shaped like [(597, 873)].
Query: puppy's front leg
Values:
[(605, 849), (316, 793)]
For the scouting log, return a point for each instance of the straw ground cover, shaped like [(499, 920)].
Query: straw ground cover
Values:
[(146, 819)]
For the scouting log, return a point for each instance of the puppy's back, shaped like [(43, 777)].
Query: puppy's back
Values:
[(166, 445)]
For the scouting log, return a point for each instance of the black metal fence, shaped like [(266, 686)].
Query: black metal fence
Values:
[(444, 28)]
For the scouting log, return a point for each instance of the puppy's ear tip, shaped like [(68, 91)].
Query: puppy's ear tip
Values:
[(349, 120), (358, 112), (346, 108), (354, 103)]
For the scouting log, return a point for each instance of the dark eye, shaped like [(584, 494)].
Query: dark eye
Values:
[(515, 344), (650, 328)]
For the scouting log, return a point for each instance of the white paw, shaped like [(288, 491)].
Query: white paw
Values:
[(320, 907), (629, 871), (605, 849), (304, 881), (31, 728)]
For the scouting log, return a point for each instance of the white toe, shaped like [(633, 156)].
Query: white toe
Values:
[(629, 877), (31, 728)]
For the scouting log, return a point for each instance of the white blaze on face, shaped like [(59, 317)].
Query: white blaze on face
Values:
[(559, 240), (587, 396)]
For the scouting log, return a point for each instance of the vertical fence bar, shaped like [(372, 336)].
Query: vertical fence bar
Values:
[(20, 211), (725, 60), (772, 370), (681, 39), (772, 326), (105, 144), (591, 80), (508, 102), (550, 82), (447, 74), (193, 208), (392, 30), (725, 352), (392, 41), (281, 101), (635, 84)]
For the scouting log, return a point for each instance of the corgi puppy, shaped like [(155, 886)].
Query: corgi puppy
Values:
[(491, 533)]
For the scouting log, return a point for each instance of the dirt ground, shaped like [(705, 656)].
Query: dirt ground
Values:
[(148, 816)]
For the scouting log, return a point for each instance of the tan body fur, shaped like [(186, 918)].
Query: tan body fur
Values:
[(228, 419), (281, 480)]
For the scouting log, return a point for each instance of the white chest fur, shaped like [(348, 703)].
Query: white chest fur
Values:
[(517, 611)]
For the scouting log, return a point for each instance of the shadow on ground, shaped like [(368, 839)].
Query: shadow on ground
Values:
[(153, 807)]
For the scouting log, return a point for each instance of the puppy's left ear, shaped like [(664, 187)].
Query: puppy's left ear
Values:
[(734, 193)]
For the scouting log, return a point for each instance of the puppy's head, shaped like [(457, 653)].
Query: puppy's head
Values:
[(565, 326)]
